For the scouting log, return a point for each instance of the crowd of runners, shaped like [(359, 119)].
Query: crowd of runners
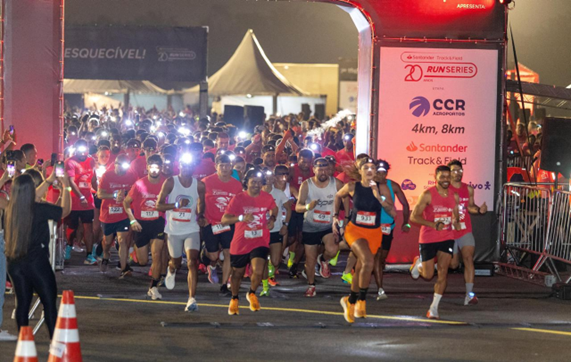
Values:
[(173, 189)]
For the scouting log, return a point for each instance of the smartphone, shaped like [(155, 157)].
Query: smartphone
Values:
[(11, 130), (53, 159), (11, 168), (40, 161), (59, 168)]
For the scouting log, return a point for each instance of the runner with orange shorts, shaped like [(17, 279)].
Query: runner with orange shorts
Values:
[(363, 232)]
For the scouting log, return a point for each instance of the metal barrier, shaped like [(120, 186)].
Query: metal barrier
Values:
[(535, 231)]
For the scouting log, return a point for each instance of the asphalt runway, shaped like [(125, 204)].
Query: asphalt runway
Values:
[(514, 321)]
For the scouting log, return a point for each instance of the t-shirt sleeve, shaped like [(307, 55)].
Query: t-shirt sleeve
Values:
[(234, 206), (51, 212), (104, 183), (70, 168), (134, 191)]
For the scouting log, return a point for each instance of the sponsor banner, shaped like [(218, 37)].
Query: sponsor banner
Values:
[(437, 105), (136, 53), (348, 95)]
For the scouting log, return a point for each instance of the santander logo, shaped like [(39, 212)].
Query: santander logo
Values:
[(412, 147), (420, 106)]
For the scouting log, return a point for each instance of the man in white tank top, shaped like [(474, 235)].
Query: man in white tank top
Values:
[(182, 197), (316, 200)]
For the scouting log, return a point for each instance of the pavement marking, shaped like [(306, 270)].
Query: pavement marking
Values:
[(401, 318), (543, 331)]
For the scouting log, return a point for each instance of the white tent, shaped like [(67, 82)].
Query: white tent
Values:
[(249, 71)]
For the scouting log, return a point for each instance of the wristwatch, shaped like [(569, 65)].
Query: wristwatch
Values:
[(286, 223)]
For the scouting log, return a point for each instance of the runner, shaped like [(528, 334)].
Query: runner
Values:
[(139, 165), (281, 182), (220, 189), (388, 223), (362, 232), (278, 232), (250, 244), (436, 212), (147, 222), (113, 187), (464, 239), (298, 174), (80, 168), (182, 197), (316, 199)]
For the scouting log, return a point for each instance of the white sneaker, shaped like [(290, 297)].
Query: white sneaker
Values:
[(7, 337), (414, 272), (191, 305), (381, 294), (170, 279), (470, 299), (432, 314), (154, 293)]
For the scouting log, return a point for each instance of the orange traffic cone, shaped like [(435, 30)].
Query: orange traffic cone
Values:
[(65, 343), (26, 348)]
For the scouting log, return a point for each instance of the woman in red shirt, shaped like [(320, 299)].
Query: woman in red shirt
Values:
[(254, 212)]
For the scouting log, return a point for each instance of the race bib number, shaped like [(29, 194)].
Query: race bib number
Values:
[(386, 229), (462, 226), (113, 210), (252, 234), (84, 185), (182, 215), (446, 219), (322, 217), (366, 218), (219, 229), (150, 214)]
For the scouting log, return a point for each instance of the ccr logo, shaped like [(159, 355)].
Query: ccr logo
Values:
[(420, 106), (442, 107)]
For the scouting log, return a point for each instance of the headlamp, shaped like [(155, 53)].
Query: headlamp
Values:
[(125, 165), (154, 167), (104, 134), (242, 135), (268, 173), (314, 146), (186, 158), (128, 122), (81, 149), (232, 157), (259, 174), (184, 131)]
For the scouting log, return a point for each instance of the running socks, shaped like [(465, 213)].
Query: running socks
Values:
[(363, 293), (154, 282), (353, 297), (235, 297), (252, 291), (435, 302), (265, 284), (469, 287)]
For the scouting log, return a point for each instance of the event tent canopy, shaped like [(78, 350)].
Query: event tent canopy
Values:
[(112, 86), (249, 71)]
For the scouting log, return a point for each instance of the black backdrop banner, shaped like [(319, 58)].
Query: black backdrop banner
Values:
[(136, 53)]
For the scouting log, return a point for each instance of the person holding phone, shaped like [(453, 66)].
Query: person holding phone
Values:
[(27, 240)]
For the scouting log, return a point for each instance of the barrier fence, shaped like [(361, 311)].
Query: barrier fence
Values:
[(535, 232)]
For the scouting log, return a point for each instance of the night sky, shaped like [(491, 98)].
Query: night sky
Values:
[(320, 33)]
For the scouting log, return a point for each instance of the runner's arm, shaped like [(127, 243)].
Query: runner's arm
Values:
[(402, 199), (416, 216), (127, 206), (287, 206), (165, 191), (303, 191), (340, 196), (201, 205), (472, 207)]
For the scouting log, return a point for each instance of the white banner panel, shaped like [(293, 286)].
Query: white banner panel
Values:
[(437, 105)]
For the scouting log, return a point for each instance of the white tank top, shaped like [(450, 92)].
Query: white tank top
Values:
[(182, 220), (321, 217)]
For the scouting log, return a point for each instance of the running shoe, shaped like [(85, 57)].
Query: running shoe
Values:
[(170, 279), (265, 293), (118, 266), (5, 336), (293, 271), (191, 305), (271, 270), (224, 291), (90, 260), (154, 293), (9, 287), (150, 273), (126, 272), (381, 294), (310, 292), (290, 260), (347, 278), (68, 249), (133, 257), (361, 309), (323, 267), (333, 261), (470, 299), (233, 308), (77, 248), (273, 282), (348, 310), (254, 303), (229, 282), (104, 266), (432, 314), (202, 268), (212, 275), (414, 272)]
